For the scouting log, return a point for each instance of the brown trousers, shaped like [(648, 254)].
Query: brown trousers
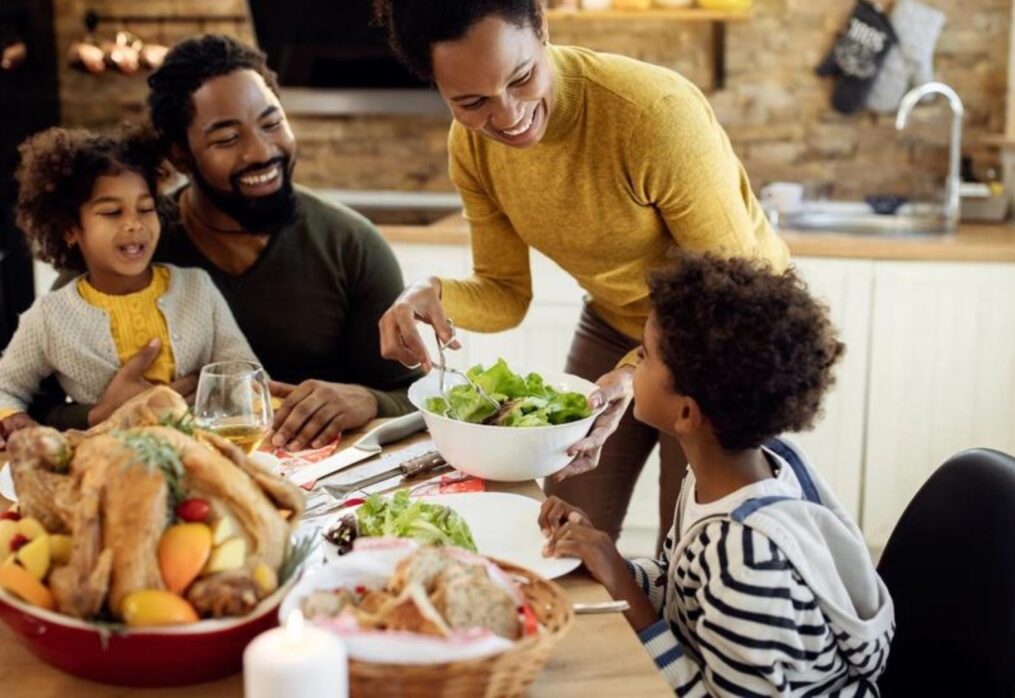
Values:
[(604, 493)]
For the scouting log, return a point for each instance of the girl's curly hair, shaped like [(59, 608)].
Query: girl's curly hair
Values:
[(56, 176), (751, 346)]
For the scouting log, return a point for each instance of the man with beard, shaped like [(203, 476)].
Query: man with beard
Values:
[(307, 280)]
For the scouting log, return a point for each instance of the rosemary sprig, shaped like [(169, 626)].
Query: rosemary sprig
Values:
[(154, 453), (184, 424), (295, 557)]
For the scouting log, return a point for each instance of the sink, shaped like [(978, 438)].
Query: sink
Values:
[(858, 219)]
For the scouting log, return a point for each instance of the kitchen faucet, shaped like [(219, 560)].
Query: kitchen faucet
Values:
[(951, 206)]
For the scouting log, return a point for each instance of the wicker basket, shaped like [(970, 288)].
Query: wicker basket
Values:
[(499, 676)]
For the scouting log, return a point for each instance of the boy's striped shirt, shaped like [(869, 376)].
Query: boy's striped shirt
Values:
[(737, 618)]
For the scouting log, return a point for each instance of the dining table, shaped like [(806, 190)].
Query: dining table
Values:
[(600, 655)]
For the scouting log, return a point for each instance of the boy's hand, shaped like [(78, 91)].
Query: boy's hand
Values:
[(12, 423), (555, 512), (594, 548)]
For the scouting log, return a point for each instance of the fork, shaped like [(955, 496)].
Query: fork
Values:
[(441, 346)]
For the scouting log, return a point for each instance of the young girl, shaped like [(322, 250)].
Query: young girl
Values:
[(87, 204)]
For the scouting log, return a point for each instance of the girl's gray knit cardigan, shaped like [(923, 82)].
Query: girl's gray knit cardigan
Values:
[(63, 335)]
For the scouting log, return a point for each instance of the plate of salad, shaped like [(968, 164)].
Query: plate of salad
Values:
[(494, 524)]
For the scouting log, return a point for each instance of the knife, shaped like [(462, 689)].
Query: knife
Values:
[(367, 446), (427, 463)]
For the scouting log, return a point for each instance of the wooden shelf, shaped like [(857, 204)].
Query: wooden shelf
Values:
[(681, 14), (716, 18)]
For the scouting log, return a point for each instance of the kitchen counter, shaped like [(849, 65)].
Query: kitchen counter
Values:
[(972, 242)]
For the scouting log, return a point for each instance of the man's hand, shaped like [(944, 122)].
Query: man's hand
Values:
[(315, 412), (616, 390), (10, 424)]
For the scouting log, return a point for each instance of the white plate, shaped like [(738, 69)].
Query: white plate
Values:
[(7, 490), (504, 526)]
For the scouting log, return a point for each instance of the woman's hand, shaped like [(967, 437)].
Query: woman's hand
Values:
[(616, 390), (400, 340)]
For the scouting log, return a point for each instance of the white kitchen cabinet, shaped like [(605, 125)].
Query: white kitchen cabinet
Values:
[(942, 376), (835, 445)]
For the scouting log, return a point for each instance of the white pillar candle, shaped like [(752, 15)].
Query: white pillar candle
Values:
[(298, 661)]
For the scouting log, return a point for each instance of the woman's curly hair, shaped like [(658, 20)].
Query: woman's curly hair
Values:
[(56, 176), (752, 347), (414, 26)]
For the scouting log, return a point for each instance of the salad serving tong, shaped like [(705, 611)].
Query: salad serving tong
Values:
[(444, 369)]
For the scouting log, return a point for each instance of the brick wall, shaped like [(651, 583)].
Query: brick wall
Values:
[(96, 101), (776, 110)]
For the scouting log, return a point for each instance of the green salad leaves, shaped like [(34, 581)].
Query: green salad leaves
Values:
[(403, 517), (522, 402)]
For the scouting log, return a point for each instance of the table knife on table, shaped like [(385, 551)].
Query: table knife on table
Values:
[(367, 446), (428, 463)]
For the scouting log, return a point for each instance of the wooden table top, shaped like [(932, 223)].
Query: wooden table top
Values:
[(600, 656), (971, 243)]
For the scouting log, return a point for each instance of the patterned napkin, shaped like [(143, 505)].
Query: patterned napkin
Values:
[(293, 461)]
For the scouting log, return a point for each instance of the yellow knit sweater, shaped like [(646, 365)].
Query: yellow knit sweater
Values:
[(633, 162), (135, 319)]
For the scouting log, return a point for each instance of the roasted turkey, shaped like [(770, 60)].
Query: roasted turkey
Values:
[(112, 488)]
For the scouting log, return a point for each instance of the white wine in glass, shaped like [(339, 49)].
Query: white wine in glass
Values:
[(233, 401)]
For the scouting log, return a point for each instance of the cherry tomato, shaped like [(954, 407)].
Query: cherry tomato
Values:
[(193, 510), (530, 624)]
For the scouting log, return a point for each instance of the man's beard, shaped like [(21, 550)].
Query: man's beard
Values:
[(259, 215)]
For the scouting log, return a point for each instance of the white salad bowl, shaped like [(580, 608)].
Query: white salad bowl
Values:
[(507, 454)]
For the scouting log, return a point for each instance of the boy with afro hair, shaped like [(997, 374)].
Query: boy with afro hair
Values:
[(765, 586)]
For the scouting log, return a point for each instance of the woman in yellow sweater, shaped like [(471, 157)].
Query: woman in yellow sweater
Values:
[(600, 162)]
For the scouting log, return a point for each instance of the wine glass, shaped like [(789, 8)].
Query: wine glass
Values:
[(233, 401)]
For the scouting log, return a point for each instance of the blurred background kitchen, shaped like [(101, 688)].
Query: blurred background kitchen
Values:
[(924, 306)]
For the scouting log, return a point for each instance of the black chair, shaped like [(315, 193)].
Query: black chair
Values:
[(950, 566)]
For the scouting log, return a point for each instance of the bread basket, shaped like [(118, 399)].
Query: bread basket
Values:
[(506, 674)]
